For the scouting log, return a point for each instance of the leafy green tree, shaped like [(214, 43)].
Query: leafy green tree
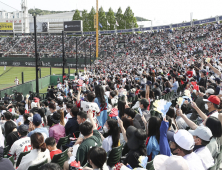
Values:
[(120, 19), (111, 19), (129, 18), (85, 20), (91, 19), (102, 19), (76, 15)]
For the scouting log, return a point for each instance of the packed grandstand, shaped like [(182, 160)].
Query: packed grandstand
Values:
[(152, 101)]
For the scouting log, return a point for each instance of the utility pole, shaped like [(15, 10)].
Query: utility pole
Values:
[(85, 53), (90, 56), (97, 30), (76, 55), (36, 59)]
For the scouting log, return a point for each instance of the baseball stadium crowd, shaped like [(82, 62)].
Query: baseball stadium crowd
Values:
[(157, 106)]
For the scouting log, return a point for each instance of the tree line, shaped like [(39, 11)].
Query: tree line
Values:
[(109, 20)]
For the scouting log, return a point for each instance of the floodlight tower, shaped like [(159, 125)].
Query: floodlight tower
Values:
[(25, 17)]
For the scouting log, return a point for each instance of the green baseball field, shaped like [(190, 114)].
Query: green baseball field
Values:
[(7, 76)]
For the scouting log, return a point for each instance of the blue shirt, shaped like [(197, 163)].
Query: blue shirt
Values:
[(41, 130), (103, 111)]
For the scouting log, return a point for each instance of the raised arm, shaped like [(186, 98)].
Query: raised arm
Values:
[(78, 95), (120, 122), (201, 114), (214, 69), (90, 116), (190, 123)]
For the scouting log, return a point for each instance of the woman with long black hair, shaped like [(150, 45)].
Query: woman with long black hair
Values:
[(112, 130), (102, 101)]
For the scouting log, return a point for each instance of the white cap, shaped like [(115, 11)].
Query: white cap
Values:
[(163, 162), (184, 139), (202, 132), (209, 91)]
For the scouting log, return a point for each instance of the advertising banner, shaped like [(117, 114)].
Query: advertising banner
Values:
[(6, 27), (204, 21), (40, 27), (72, 26), (47, 62)]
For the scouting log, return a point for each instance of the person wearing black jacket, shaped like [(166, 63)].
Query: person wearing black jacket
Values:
[(156, 90), (72, 125), (203, 79)]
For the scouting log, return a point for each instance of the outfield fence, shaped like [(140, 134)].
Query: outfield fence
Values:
[(31, 85)]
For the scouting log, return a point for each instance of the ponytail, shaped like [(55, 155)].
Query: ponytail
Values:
[(37, 141), (42, 147)]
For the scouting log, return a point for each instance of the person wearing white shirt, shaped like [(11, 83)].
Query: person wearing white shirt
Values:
[(16, 81), (21, 145), (37, 155), (20, 120), (202, 136), (111, 128), (68, 109), (182, 144)]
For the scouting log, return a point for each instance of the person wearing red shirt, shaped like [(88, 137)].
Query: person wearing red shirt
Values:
[(190, 72), (51, 146), (137, 90)]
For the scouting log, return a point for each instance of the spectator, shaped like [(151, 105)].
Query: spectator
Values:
[(91, 138), (56, 131), (202, 136), (112, 130), (51, 146), (35, 126), (38, 154), (102, 102), (72, 125), (20, 120), (23, 144), (182, 144)]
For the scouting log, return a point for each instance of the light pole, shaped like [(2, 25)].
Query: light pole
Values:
[(36, 59)]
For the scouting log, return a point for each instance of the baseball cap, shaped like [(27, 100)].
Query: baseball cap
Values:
[(23, 128), (184, 139), (203, 71), (213, 99), (210, 91), (37, 120), (202, 132), (163, 162)]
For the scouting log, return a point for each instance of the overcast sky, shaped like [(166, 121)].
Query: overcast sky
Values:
[(166, 11)]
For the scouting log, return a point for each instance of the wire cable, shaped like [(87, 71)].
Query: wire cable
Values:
[(9, 6)]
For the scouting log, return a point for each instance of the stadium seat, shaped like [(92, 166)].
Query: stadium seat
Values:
[(20, 157), (38, 166), (63, 141), (60, 158), (114, 156), (150, 166), (11, 158)]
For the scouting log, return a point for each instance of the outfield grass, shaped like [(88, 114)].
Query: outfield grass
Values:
[(7, 79)]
